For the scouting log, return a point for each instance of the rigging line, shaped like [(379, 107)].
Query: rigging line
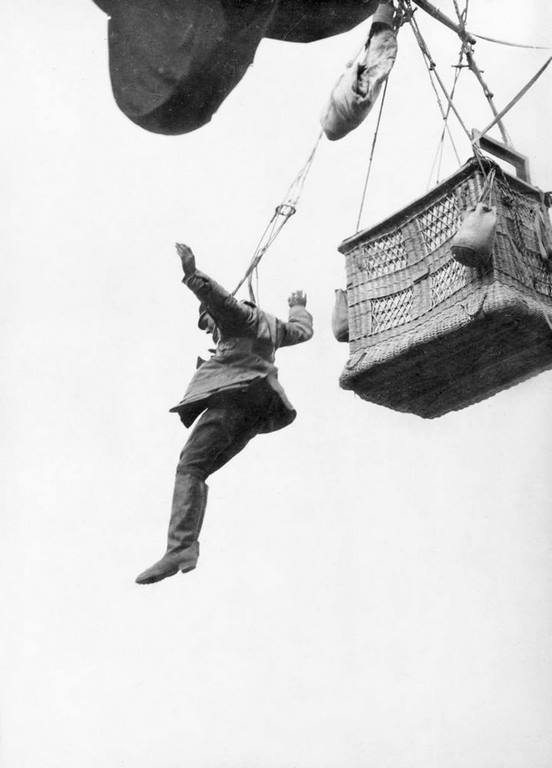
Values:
[(438, 159), (374, 141), (513, 45), (440, 16), (476, 150), (516, 98), (458, 13), (452, 94), (259, 250), (472, 64), (282, 213), (432, 69), (470, 36)]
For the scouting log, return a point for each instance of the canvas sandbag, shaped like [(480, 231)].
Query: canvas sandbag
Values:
[(473, 244), (357, 90), (340, 316)]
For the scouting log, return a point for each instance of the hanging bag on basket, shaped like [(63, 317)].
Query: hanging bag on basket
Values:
[(473, 244), (340, 316), (358, 88)]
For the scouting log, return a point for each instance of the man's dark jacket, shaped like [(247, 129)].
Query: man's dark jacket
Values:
[(249, 338)]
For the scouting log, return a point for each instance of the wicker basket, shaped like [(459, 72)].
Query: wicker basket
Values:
[(428, 335)]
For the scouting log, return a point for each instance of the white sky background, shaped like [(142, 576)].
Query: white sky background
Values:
[(374, 589)]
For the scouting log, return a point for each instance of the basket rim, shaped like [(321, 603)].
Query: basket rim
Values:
[(410, 210)]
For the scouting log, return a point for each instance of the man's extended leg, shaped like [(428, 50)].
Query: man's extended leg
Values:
[(219, 435)]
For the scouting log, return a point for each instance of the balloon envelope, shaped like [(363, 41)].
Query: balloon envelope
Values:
[(173, 62)]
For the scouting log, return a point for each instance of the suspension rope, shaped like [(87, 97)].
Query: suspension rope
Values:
[(282, 213), (401, 16), (516, 98), (438, 159), (462, 15), (432, 70), (472, 64), (374, 142), (514, 45), (426, 6)]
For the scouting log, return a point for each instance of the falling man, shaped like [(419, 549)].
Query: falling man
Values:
[(238, 396)]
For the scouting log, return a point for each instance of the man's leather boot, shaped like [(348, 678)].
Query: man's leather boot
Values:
[(188, 508)]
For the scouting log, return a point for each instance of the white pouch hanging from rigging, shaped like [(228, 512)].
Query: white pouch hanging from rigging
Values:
[(358, 88)]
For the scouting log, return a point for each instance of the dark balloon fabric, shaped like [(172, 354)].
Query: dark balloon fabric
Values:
[(302, 21), (173, 62)]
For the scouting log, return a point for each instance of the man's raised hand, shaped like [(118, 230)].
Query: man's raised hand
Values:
[(298, 298), (187, 258)]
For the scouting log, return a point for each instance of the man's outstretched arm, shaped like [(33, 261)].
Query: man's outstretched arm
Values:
[(299, 325), (226, 311)]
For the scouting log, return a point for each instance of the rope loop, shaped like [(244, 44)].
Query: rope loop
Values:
[(285, 209)]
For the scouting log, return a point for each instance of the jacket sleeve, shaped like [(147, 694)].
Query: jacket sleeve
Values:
[(230, 315), (297, 329)]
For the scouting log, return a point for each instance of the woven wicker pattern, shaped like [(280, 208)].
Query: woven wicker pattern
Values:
[(517, 242), (428, 335), (440, 222), (383, 256), (391, 311), (447, 280)]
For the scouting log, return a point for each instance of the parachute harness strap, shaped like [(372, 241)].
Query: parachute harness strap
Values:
[(282, 213)]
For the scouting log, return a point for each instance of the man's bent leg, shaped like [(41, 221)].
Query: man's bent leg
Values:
[(219, 435), (188, 507)]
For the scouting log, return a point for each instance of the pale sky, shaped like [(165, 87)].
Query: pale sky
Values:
[(374, 589)]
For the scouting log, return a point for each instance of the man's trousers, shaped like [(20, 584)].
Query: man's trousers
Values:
[(222, 431)]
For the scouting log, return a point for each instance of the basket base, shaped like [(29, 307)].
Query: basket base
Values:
[(455, 370)]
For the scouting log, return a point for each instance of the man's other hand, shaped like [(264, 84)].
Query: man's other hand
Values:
[(187, 258), (298, 298)]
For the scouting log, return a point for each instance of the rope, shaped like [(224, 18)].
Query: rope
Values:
[(432, 70), (472, 64), (374, 141), (440, 16), (514, 45), (487, 189), (517, 97), (461, 15), (438, 159), (469, 36), (282, 213), (400, 18)]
